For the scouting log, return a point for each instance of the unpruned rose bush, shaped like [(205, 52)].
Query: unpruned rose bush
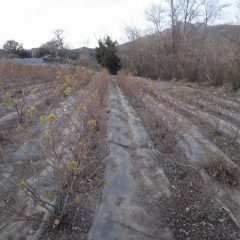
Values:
[(64, 143)]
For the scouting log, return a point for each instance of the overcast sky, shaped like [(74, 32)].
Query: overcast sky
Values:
[(32, 22)]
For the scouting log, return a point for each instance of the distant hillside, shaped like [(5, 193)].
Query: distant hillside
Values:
[(197, 52), (223, 31), (230, 32)]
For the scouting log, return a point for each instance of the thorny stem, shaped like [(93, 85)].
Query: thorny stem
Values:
[(25, 216), (33, 193)]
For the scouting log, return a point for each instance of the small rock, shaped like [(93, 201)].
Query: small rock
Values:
[(203, 223), (56, 221), (31, 232), (221, 220)]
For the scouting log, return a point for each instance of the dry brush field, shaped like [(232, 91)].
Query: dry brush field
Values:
[(195, 131), (86, 155), (52, 120)]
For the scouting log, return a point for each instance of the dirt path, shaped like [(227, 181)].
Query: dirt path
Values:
[(133, 181)]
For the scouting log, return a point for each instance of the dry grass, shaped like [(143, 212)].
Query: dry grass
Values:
[(16, 76), (223, 173), (140, 96)]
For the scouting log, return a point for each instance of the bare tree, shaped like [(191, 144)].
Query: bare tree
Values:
[(212, 10), (133, 58), (184, 43), (155, 14), (60, 40), (59, 37)]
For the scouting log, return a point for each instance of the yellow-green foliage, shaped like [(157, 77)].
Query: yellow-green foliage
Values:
[(82, 145), (69, 78), (51, 117), (71, 165), (92, 123), (8, 99), (47, 135), (65, 86), (67, 91), (33, 91), (43, 119), (49, 196), (31, 111), (19, 127), (22, 183), (48, 118)]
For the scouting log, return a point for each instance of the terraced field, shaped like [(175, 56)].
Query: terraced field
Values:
[(90, 156)]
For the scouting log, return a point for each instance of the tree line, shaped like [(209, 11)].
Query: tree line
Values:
[(56, 48), (184, 43), (12, 48)]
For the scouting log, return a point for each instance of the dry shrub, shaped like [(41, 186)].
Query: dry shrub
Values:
[(19, 71), (134, 93), (19, 75), (87, 61), (165, 138), (227, 87), (63, 153), (143, 97), (223, 172)]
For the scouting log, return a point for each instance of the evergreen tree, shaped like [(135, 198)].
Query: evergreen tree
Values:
[(106, 55)]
